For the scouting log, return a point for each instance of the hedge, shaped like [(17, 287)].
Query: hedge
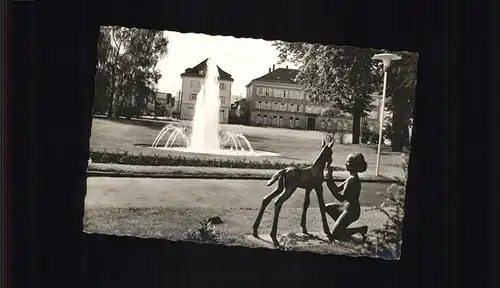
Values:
[(177, 160)]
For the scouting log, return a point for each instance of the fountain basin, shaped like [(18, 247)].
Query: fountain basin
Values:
[(221, 152)]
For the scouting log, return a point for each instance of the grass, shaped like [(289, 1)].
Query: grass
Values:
[(175, 223), (293, 145)]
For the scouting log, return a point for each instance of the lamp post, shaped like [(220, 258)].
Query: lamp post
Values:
[(386, 58)]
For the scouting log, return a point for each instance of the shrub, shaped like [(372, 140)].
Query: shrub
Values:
[(178, 160), (374, 138), (390, 237), (366, 133)]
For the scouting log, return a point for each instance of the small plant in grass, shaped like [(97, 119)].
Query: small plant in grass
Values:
[(206, 233), (178, 160), (391, 236)]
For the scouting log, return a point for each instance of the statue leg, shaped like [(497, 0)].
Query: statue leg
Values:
[(277, 209), (321, 202), (265, 202), (304, 211), (340, 230)]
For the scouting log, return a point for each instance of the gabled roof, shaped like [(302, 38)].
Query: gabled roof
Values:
[(280, 75), (195, 71)]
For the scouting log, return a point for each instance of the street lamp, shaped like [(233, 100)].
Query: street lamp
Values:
[(386, 58)]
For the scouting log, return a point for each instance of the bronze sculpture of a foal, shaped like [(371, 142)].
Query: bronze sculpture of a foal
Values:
[(292, 178)]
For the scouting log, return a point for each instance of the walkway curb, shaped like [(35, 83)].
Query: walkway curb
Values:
[(114, 174)]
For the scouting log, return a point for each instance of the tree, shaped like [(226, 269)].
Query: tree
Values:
[(401, 83), (343, 76), (126, 72)]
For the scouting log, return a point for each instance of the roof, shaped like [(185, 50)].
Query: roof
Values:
[(280, 75), (195, 71)]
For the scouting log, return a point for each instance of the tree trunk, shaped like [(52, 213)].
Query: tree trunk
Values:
[(356, 127), (397, 131), (406, 135)]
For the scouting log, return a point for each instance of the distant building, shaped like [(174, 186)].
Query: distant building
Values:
[(275, 99), (192, 81)]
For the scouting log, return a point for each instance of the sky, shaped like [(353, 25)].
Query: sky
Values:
[(245, 59)]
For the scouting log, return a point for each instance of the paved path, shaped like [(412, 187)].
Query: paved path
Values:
[(203, 193)]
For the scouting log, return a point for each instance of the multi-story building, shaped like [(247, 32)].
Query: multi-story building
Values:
[(192, 81), (275, 99)]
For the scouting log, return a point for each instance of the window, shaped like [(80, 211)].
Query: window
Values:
[(190, 111), (281, 121), (257, 119), (276, 106), (249, 92), (260, 92), (277, 93), (283, 107), (265, 119), (299, 108), (222, 100), (297, 122), (268, 92), (309, 109), (222, 86), (301, 95), (291, 107), (291, 122), (195, 84), (258, 105), (267, 105), (275, 120), (193, 96), (284, 93)]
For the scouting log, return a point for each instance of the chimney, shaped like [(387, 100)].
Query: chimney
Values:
[(273, 67), (269, 69)]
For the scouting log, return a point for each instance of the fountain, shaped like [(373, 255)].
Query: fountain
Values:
[(205, 136)]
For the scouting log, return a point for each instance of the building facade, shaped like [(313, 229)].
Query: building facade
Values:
[(276, 100), (192, 81)]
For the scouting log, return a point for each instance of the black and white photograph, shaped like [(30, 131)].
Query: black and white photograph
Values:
[(249, 142)]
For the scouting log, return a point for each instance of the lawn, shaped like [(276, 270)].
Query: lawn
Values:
[(169, 208), (292, 145)]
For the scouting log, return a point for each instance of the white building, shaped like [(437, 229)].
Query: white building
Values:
[(192, 80)]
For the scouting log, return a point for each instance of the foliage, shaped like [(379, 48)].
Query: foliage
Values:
[(126, 74), (244, 110), (169, 160), (204, 234), (366, 132), (393, 207), (387, 129), (344, 76)]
